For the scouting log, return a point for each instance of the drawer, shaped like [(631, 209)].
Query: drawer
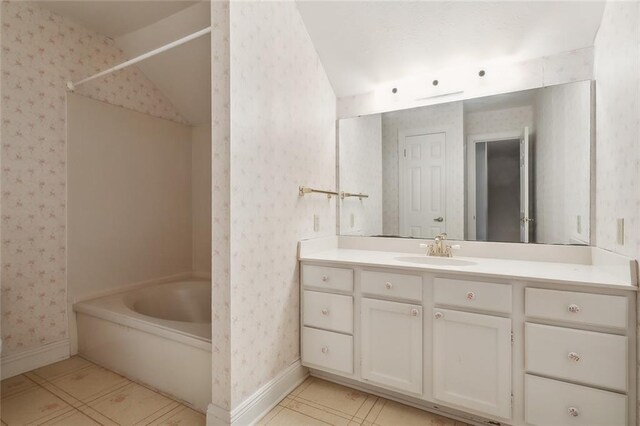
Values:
[(549, 402), (597, 359), (329, 311), (579, 308), (473, 294), (327, 350), (327, 278), (396, 286)]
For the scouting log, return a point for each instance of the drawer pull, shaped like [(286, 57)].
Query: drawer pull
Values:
[(573, 356), (573, 412), (414, 312), (471, 296), (573, 308), (325, 312), (388, 285), (325, 349), (438, 315), (325, 278)]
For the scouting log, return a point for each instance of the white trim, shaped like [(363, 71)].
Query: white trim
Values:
[(252, 409), (472, 140), (28, 360)]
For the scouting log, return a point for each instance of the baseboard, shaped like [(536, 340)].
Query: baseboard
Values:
[(28, 360), (261, 402)]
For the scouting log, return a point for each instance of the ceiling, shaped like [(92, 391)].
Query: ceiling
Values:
[(367, 43), (115, 18), (182, 74)]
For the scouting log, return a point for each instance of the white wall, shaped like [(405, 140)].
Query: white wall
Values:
[(129, 197), (500, 120), (360, 171), (562, 162), (283, 113), (444, 117), (201, 198)]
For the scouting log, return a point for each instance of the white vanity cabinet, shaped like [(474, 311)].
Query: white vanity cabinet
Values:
[(391, 344), (478, 347), (472, 361)]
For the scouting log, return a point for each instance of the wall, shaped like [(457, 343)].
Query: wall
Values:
[(562, 161), (40, 52), (201, 198), (616, 64), (500, 120), (444, 117), (129, 197), (360, 171), (274, 131), (464, 83)]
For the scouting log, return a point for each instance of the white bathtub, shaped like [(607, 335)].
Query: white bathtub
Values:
[(159, 335)]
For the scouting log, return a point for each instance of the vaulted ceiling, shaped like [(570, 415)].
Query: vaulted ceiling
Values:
[(366, 43)]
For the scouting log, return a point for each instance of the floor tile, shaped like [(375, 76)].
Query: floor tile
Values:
[(90, 383), (368, 404), (34, 405), (72, 418), (393, 414), (132, 404), (334, 396), (270, 415), (318, 413), (302, 386), (16, 384), (58, 369), (287, 417), (181, 416), (74, 402)]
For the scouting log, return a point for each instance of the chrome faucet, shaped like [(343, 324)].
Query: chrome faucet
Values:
[(439, 247)]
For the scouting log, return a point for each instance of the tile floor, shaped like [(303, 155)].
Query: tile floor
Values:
[(76, 392), (318, 402)]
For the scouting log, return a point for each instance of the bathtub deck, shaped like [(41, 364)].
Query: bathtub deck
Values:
[(78, 392)]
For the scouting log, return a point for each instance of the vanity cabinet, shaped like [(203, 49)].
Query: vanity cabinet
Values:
[(472, 361), (391, 344), (484, 349)]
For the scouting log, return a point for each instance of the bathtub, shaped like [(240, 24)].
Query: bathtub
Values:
[(159, 335)]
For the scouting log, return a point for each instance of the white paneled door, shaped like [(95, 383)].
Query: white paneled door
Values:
[(525, 208), (472, 361), (391, 348), (422, 184)]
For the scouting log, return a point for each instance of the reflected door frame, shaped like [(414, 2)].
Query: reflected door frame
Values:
[(402, 187), (472, 140)]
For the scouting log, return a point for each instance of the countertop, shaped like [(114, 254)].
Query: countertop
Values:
[(538, 271)]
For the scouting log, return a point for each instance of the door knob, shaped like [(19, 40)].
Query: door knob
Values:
[(439, 219)]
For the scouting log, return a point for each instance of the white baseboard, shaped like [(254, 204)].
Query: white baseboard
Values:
[(260, 403), (28, 360)]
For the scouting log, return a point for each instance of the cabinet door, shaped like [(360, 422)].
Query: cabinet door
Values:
[(472, 361), (391, 344)]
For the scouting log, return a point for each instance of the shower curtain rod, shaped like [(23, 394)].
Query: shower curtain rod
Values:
[(71, 85)]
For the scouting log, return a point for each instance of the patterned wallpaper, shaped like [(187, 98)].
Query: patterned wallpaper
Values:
[(283, 113), (360, 161), (40, 52), (616, 64), (501, 120), (443, 117)]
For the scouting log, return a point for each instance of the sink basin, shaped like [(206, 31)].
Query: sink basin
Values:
[(430, 260)]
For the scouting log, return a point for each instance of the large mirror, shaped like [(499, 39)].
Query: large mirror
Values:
[(513, 167)]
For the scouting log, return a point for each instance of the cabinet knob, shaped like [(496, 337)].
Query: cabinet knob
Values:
[(573, 356), (325, 278), (573, 308), (388, 285), (573, 412), (438, 315), (414, 312), (471, 296), (325, 349), (325, 312)]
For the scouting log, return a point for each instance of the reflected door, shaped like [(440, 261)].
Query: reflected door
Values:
[(422, 184), (525, 216)]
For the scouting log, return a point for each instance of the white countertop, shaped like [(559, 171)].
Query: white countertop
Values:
[(542, 271)]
